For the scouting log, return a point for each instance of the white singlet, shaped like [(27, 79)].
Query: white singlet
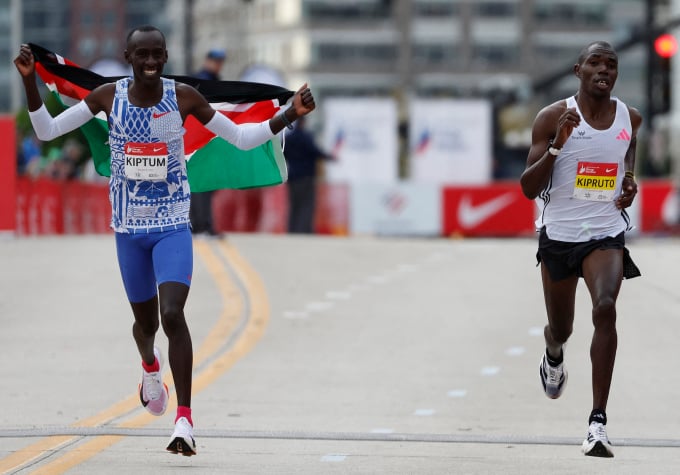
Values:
[(578, 204)]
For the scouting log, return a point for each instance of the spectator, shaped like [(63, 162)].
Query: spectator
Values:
[(302, 156), (201, 203)]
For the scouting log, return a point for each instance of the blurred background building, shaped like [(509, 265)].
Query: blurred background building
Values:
[(516, 53)]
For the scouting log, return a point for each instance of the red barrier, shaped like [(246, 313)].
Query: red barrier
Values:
[(499, 209), (44, 206), (50, 207), (234, 210), (8, 167), (332, 209), (659, 206)]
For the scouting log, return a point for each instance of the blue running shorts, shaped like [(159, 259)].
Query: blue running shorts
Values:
[(150, 259)]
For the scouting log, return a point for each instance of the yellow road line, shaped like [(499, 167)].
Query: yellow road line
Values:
[(233, 307)]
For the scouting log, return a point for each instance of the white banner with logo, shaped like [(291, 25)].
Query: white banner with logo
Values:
[(401, 209), (450, 141), (361, 133)]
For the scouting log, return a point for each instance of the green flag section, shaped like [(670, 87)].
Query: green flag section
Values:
[(221, 165)]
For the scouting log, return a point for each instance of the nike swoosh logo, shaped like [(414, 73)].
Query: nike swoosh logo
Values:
[(609, 170), (470, 215), (157, 149), (158, 116)]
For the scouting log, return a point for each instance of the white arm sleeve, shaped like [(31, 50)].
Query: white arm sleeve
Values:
[(243, 136), (47, 127)]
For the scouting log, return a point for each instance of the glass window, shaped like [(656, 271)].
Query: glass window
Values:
[(358, 53), (87, 20), (346, 11), (495, 9), (435, 9), (434, 54), (586, 14), (87, 47), (495, 54), (109, 19)]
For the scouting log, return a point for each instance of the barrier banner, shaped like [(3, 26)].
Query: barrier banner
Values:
[(8, 167), (660, 207), (450, 141), (402, 209), (362, 136), (499, 209), (332, 209), (45, 206)]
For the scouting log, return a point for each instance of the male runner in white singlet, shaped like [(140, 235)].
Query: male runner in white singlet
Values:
[(150, 196), (580, 172)]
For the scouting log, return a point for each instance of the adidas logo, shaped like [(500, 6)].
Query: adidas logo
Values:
[(623, 135)]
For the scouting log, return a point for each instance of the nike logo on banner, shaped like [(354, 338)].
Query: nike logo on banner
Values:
[(609, 170), (623, 135), (156, 115), (470, 215)]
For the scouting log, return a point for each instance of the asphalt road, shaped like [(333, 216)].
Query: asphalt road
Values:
[(319, 355)]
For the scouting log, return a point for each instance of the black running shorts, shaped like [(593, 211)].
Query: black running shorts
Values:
[(564, 259)]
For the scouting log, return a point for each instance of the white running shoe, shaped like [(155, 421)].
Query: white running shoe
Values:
[(553, 378), (597, 443), (182, 440), (153, 392)]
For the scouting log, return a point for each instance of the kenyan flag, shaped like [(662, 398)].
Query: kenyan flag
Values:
[(212, 163)]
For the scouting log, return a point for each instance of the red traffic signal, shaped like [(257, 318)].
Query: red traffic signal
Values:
[(666, 45)]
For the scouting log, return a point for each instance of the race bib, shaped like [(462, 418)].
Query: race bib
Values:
[(146, 161), (595, 181)]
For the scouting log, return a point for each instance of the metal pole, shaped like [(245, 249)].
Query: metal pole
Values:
[(674, 112), (17, 32), (188, 36), (651, 63)]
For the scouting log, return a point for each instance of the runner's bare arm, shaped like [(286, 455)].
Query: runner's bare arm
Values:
[(539, 161), (25, 64), (629, 186)]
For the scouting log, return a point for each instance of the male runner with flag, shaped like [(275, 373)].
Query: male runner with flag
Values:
[(149, 194)]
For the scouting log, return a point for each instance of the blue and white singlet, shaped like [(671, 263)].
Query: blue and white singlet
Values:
[(149, 188)]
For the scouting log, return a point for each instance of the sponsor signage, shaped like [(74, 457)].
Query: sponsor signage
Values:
[(8, 165), (51, 207), (659, 206), (450, 141), (362, 136), (499, 209), (402, 209)]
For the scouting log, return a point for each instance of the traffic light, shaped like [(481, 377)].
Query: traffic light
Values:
[(665, 47)]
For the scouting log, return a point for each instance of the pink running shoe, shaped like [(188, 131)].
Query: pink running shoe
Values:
[(153, 392)]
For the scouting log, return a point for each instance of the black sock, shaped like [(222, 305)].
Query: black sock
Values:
[(598, 415), (554, 361)]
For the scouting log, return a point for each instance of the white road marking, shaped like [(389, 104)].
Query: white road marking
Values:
[(338, 295), (490, 370), (318, 306), (424, 412), (295, 315), (515, 351), (457, 393), (334, 458)]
